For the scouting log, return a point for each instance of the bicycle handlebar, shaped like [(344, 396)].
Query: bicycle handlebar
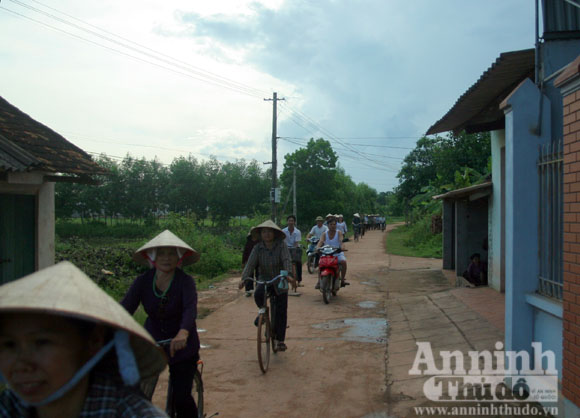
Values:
[(162, 343), (266, 282)]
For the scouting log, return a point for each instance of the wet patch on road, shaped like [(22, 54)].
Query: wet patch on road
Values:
[(370, 283), (366, 330), (367, 304)]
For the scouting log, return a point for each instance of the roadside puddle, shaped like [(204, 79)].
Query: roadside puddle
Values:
[(367, 304), (366, 330), (370, 283)]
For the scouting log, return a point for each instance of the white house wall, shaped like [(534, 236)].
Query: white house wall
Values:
[(33, 184), (495, 221)]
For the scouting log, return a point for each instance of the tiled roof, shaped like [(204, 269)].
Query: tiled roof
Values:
[(26, 144), (477, 110)]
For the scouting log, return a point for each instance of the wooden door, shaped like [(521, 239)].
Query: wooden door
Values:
[(17, 236)]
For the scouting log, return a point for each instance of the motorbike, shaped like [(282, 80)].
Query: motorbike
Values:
[(311, 261), (329, 272)]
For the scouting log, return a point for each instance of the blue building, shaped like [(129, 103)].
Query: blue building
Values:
[(516, 101)]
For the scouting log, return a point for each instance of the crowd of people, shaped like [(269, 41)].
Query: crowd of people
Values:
[(69, 349)]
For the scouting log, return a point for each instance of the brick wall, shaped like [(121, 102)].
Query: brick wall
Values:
[(571, 302)]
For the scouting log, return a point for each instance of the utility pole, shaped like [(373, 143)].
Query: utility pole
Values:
[(274, 99), (294, 191)]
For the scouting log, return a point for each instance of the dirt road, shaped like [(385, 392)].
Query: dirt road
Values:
[(335, 363)]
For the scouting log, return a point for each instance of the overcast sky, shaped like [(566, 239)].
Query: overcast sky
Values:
[(371, 73)]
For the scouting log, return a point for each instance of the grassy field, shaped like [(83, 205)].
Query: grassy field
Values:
[(414, 241)]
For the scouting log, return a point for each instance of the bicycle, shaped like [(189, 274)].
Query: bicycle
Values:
[(148, 387), (356, 233), (267, 321)]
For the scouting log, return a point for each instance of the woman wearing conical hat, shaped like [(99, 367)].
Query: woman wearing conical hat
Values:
[(169, 298), (67, 349), (270, 255)]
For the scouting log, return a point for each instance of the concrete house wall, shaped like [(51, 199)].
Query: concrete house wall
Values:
[(32, 183), (529, 316), (496, 262)]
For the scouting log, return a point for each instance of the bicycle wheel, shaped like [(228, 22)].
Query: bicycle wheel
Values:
[(197, 393), (273, 325), (310, 264), (264, 341), (169, 406)]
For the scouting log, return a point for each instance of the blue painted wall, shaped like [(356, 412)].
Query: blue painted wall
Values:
[(521, 143)]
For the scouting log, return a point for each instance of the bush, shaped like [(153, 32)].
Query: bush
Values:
[(110, 267), (104, 252), (99, 229), (415, 240)]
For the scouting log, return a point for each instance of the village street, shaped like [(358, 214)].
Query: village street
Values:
[(347, 359), (335, 362)]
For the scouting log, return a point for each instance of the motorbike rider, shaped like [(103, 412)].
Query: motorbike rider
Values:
[(293, 238), (333, 237), (317, 231)]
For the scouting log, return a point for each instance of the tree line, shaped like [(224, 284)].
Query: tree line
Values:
[(437, 165), (138, 189)]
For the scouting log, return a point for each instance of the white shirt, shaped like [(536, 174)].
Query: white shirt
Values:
[(317, 232), (292, 238), (341, 226), (334, 242)]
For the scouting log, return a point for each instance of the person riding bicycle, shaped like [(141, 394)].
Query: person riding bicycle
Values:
[(67, 349), (293, 238), (271, 255), (341, 225), (317, 231), (333, 237), (169, 298)]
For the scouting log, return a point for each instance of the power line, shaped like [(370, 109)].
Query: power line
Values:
[(192, 72), (223, 157), (209, 73), (363, 145)]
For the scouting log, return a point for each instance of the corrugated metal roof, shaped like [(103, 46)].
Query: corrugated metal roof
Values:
[(561, 19), (14, 158), (466, 191), (30, 144), (477, 110)]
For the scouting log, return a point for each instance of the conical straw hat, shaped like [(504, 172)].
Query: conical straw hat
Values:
[(65, 290), (278, 233), (167, 239)]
